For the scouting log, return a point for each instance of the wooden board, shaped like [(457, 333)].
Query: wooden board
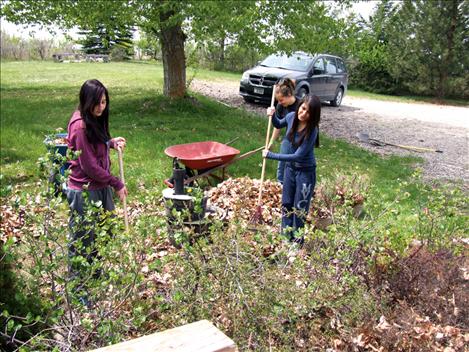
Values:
[(201, 336)]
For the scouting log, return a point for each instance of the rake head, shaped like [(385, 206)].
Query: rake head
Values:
[(257, 216), (365, 138)]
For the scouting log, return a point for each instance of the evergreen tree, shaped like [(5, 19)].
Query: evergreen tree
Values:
[(95, 42), (428, 47), (106, 39)]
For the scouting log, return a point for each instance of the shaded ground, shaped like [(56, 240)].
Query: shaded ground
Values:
[(422, 125)]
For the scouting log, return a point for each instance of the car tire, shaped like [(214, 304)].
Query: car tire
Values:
[(338, 97), (302, 92)]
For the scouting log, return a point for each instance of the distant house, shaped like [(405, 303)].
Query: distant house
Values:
[(97, 58), (73, 57), (67, 57)]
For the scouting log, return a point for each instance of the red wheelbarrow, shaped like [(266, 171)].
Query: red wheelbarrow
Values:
[(203, 158)]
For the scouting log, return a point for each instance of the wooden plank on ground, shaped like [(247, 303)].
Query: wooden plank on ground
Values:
[(201, 336)]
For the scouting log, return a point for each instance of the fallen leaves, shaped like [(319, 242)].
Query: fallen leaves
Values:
[(383, 324), (11, 222), (58, 141), (238, 199)]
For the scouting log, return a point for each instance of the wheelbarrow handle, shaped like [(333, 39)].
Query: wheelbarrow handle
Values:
[(167, 183), (231, 141), (208, 172)]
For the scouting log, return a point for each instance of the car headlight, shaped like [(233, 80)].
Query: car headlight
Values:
[(245, 77)]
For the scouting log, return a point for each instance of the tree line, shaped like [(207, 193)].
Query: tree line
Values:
[(13, 47), (411, 47), (419, 47)]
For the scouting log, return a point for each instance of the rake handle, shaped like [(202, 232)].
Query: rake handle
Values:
[(206, 173), (418, 149), (264, 160), (121, 173), (409, 147)]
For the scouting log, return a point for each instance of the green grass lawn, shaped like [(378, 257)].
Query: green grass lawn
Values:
[(39, 97)]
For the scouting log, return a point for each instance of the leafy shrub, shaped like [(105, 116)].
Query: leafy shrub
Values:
[(370, 71), (111, 281), (263, 292)]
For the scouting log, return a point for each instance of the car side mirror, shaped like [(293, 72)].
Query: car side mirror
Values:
[(317, 71)]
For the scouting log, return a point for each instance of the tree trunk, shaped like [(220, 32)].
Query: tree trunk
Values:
[(221, 59), (448, 57), (174, 60)]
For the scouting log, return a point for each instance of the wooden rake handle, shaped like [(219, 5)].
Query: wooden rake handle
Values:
[(417, 149), (264, 160), (121, 172)]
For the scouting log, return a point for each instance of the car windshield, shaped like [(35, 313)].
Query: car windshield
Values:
[(296, 62)]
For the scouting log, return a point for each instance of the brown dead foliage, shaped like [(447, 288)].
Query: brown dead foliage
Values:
[(238, 199), (435, 284), (429, 304), (406, 330), (11, 222), (58, 141)]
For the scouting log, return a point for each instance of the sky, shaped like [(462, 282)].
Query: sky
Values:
[(363, 8)]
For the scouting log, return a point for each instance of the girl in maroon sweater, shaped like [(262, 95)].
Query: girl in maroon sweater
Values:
[(88, 133)]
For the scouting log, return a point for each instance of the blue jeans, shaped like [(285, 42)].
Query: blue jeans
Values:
[(298, 189), (284, 149)]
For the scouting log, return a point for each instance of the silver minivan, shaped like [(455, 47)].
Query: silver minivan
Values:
[(323, 75)]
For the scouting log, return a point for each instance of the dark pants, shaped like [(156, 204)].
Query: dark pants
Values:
[(284, 149), (298, 189), (81, 230)]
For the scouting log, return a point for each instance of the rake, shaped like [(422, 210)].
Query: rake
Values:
[(257, 217), (365, 138), (121, 171)]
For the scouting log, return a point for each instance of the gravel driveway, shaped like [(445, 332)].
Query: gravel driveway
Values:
[(417, 124)]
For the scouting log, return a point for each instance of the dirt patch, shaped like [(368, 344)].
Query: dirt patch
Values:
[(422, 125)]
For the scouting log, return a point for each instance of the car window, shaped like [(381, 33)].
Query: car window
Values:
[(340, 66), (330, 65), (296, 62), (318, 68)]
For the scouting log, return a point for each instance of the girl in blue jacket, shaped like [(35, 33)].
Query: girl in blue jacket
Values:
[(300, 173), (287, 102)]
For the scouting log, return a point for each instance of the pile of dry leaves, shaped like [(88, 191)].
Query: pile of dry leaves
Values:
[(238, 199)]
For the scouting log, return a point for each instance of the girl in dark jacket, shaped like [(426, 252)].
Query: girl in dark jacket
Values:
[(287, 102), (300, 173)]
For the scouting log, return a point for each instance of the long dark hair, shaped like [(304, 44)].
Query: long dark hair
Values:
[(97, 128), (314, 110)]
